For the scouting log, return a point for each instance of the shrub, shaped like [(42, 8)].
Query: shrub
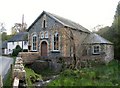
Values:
[(16, 50)]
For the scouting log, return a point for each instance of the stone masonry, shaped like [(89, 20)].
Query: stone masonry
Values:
[(18, 69)]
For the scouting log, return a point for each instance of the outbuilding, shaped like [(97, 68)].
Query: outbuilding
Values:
[(96, 46)]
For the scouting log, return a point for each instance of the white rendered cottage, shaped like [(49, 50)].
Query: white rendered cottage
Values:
[(20, 39)]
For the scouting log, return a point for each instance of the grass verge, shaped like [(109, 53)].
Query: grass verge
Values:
[(101, 75), (8, 81)]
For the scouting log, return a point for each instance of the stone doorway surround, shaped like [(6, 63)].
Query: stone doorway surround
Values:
[(44, 48)]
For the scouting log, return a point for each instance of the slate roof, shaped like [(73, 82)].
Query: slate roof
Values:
[(63, 21), (22, 36), (4, 44), (94, 38)]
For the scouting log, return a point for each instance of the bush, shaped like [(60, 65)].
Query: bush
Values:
[(16, 50)]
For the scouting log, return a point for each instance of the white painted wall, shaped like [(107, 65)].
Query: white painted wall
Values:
[(25, 46), (12, 45), (4, 51)]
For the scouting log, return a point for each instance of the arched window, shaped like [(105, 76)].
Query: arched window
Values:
[(42, 35), (46, 34), (56, 41), (34, 42)]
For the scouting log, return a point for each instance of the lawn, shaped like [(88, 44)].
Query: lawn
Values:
[(100, 75)]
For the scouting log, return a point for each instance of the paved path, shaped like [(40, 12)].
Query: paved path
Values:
[(5, 63)]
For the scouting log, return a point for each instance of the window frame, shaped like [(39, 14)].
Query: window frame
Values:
[(55, 34), (25, 42), (42, 35), (34, 44), (46, 35), (96, 48)]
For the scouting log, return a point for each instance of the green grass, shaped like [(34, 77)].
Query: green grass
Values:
[(8, 81), (101, 75), (30, 73)]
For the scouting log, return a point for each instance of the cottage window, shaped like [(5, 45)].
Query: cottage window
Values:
[(25, 42), (34, 42), (96, 49), (46, 34), (56, 41)]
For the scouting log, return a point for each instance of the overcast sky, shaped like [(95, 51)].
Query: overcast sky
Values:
[(88, 13)]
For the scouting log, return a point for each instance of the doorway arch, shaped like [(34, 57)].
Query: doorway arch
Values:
[(44, 48)]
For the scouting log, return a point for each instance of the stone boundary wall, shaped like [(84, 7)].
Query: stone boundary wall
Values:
[(29, 57), (18, 72), (18, 69)]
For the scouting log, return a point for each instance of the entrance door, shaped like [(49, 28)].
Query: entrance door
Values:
[(43, 48)]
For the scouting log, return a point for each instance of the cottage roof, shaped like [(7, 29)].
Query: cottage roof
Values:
[(94, 38), (22, 36), (63, 21), (4, 44)]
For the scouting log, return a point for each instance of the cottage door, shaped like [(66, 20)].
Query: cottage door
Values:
[(43, 48)]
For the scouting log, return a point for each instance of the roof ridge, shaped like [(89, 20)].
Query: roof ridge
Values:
[(72, 23), (63, 21), (52, 15)]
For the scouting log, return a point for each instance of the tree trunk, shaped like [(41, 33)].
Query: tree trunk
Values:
[(74, 54)]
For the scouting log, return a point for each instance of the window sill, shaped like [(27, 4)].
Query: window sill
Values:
[(33, 50), (55, 51), (96, 54), (44, 38)]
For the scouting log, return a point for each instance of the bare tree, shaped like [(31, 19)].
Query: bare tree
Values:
[(19, 27), (70, 39), (76, 47)]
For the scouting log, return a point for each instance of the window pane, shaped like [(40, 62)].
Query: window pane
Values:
[(56, 42), (34, 42), (96, 49), (46, 34), (44, 24)]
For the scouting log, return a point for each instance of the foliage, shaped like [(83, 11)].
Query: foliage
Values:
[(5, 36), (31, 76), (101, 75), (18, 27), (113, 33), (47, 72), (16, 50)]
